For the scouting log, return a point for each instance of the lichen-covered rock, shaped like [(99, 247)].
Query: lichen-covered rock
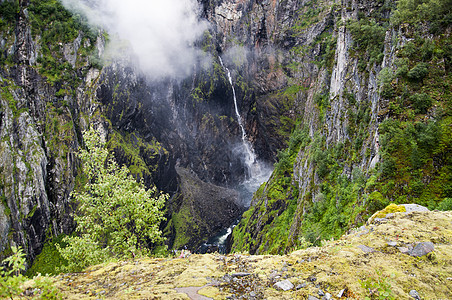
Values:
[(390, 209), (338, 268)]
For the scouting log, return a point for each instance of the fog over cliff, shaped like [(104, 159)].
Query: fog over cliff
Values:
[(161, 33)]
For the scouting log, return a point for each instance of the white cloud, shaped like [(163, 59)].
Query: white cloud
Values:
[(160, 32)]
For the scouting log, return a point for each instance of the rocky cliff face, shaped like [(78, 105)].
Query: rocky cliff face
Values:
[(54, 87), (356, 82), (316, 77)]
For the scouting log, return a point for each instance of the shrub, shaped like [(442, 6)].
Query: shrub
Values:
[(446, 204), (385, 78), (376, 201), (11, 279), (388, 167), (402, 67), (10, 275), (368, 37), (8, 10), (418, 72), (377, 287), (414, 11), (421, 102), (117, 216)]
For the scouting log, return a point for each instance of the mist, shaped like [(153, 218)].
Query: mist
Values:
[(161, 33)]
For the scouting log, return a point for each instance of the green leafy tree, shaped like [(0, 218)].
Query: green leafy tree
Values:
[(117, 217)]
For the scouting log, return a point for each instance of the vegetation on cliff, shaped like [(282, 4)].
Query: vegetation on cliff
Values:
[(337, 189), (322, 185)]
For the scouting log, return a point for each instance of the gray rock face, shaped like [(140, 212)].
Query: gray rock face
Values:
[(301, 286), (422, 249), (414, 207), (366, 249)]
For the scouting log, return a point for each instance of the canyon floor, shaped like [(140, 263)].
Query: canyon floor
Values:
[(402, 255)]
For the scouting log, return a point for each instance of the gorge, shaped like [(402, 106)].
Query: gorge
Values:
[(350, 100)]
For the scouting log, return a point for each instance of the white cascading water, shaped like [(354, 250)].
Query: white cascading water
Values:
[(257, 173), (248, 151)]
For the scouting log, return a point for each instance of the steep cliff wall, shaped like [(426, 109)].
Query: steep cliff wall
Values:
[(372, 100), (38, 129), (360, 100), (56, 82)]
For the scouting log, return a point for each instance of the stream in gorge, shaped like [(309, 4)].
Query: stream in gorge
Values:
[(257, 172)]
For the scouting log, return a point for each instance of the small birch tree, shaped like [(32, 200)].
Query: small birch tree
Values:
[(117, 217)]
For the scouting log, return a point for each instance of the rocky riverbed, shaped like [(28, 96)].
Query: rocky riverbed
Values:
[(405, 254)]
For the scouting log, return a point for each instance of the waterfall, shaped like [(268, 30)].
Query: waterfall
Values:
[(257, 173), (249, 154)]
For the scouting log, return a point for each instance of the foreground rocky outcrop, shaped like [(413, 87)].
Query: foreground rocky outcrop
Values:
[(371, 257)]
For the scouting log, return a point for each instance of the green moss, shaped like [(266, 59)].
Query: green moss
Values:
[(134, 152), (181, 221), (49, 260), (4, 201), (391, 208)]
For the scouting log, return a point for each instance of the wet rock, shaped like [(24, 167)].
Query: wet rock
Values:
[(284, 285), (366, 249), (415, 294), (422, 249)]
